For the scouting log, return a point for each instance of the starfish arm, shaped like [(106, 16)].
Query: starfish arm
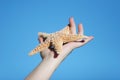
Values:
[(70, 37), (58, 46), (39, 48), (65, 30), (41, 34)]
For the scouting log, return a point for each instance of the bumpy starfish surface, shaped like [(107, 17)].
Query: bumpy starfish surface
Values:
[(56, 39)]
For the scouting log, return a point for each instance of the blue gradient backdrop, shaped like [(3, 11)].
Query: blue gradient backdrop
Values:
[(21, 20)]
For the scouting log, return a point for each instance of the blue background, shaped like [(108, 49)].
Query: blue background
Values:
[(21, 20)]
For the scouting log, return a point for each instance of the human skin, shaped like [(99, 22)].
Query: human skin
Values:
[(49, 63)]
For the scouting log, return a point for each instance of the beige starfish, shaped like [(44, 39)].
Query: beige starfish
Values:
[(56, 39)]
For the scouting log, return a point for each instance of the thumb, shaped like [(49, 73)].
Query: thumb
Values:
[(40, 39)]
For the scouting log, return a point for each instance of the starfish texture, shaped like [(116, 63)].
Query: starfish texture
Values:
[(56, 40)]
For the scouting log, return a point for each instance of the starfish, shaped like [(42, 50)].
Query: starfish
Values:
[(56, 40)]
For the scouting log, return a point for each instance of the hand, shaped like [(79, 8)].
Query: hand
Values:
[(51, 59), (67, 48)]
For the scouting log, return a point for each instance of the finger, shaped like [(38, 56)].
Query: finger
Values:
[(81, 43), (72, 25), (40, 39), (88, 39), (80, 29)]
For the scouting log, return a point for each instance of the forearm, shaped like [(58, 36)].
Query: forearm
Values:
[(45, 69), (48, 65)]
